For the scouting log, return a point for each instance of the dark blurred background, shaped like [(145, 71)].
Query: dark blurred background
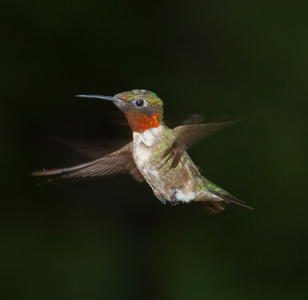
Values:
[(111, 238)]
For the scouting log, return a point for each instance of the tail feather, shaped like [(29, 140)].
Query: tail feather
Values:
[(229, 198), (220, 198)]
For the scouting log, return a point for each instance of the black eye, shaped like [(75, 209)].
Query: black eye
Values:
[(139, 102)]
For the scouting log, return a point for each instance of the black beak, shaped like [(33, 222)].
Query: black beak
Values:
[(122, 105), (109, 98)]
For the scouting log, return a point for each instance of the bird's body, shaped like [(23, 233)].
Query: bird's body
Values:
[(182, 183), (157, 155)]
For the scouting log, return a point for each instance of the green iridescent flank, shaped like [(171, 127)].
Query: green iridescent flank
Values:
[(156, 154), (168, 134)]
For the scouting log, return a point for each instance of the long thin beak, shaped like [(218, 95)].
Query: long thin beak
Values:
[(109, 98)]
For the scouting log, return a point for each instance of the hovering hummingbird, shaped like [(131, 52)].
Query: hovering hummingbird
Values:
[(157, 155)]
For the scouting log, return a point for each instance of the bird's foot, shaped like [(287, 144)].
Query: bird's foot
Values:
[(173, 200)]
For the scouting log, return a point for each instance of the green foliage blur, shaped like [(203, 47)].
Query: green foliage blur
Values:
[(111, 238)]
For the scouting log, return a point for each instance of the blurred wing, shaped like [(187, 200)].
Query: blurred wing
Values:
[(212, 207), (120, 161), (93, 148), (187, 135)]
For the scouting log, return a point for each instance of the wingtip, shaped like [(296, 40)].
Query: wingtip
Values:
[(46, 172), (36, 173)]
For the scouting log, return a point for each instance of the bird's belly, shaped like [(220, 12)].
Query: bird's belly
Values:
[(181, 184), (144, 163)]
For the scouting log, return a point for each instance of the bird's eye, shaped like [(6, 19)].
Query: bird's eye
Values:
[(139, 102)]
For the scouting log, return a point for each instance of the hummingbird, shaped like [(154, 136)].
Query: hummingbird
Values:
[(157, 154)]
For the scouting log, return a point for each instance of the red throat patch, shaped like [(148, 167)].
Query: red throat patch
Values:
[(142, 122)]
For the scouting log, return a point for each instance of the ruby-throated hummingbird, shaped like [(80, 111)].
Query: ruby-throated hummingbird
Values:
[(157, 155)]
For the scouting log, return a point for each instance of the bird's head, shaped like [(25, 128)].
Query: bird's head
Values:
[(143, 109)]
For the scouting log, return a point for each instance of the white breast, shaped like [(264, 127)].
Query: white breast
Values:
[(148, 137), (142, 146), (142, 154)]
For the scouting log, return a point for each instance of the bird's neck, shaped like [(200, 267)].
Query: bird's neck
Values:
[(150, 136), (142, 122)]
